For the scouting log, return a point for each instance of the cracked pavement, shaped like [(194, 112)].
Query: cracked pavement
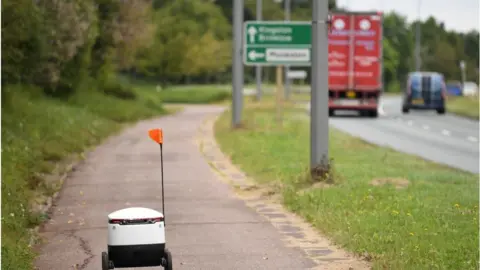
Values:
[(207, 226)]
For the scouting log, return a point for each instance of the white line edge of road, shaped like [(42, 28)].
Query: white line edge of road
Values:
[(381, 111), (446, 132)]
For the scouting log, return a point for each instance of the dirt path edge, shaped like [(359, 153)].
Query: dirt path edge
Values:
[(294, 230)]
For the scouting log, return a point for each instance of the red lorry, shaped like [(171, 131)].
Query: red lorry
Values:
[(355, 62)]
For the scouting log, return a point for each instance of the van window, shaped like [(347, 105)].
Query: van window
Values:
[(437, 83), (432, 83)]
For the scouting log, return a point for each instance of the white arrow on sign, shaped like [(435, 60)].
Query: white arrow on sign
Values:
[(251, 33), (253, 55)]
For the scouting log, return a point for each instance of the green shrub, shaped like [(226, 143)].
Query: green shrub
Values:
[(116, 109), (120, 91)]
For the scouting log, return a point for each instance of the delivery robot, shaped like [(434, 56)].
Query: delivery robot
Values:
[(136, 235)]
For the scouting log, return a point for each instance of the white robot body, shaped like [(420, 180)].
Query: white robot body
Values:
[(136, 235)]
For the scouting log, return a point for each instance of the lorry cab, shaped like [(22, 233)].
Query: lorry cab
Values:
[(424, 91)]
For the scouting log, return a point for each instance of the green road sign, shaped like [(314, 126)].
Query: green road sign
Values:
[(271, 43)]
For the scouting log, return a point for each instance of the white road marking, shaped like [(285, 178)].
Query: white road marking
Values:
[(472, 139), (425, 127), (381, 111), (446, 132), (409, 123)]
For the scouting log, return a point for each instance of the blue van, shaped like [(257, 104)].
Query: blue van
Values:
[(425, 91)]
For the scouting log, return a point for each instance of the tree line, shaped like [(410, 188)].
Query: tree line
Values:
[(64, 46)]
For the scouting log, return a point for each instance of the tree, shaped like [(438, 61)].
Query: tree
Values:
[(444, 60), (390, 65), (23, 42), (207, 47), (42, 39), (190, 40), (134, 30), (400, 40), (71, 27)]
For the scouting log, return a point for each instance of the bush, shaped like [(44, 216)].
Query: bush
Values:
[(119, 110), (119, 91)]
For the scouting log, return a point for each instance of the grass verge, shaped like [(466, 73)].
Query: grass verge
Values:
[(395, 209), (38, 133), (201, 94), (464, 106)]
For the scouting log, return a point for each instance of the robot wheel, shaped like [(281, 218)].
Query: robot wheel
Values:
[(167, 260), (106, 263)]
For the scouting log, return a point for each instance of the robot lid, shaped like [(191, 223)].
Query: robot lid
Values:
[(135, 213)]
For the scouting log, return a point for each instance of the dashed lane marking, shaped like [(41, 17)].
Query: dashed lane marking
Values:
[(472, 139)]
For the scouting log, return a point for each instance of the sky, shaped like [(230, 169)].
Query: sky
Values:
[(458, 15)]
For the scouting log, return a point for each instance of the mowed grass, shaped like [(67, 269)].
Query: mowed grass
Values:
[(426, 218), (192, 94), (38, 134), (464, 106)]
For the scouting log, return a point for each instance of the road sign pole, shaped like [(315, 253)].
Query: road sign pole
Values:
[(319, 85), (462, 69), (237, 65), (279, 95), (258, 69), (287, 68)]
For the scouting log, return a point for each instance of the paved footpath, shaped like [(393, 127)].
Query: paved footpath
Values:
[(208, 226)]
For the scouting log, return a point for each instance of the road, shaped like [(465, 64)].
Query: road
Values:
[(207, 226), (445, 139)]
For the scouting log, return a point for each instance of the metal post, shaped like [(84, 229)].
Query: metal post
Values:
[(237, 65), (258, 69), (279, 96), (287, 4), (462, 70), (319, 85), (163, 186), (418, 59)]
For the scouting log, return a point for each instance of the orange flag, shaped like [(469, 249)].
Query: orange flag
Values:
[(156, 135)]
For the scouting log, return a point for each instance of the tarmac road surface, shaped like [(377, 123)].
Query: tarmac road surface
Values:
[(207, 228), (445, 139)]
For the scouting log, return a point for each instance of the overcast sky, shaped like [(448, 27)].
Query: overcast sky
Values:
[(459, 15)]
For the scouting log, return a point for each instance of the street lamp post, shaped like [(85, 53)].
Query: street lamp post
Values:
[(237, 65), (258, 69), (287, 6), (418, 59)]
